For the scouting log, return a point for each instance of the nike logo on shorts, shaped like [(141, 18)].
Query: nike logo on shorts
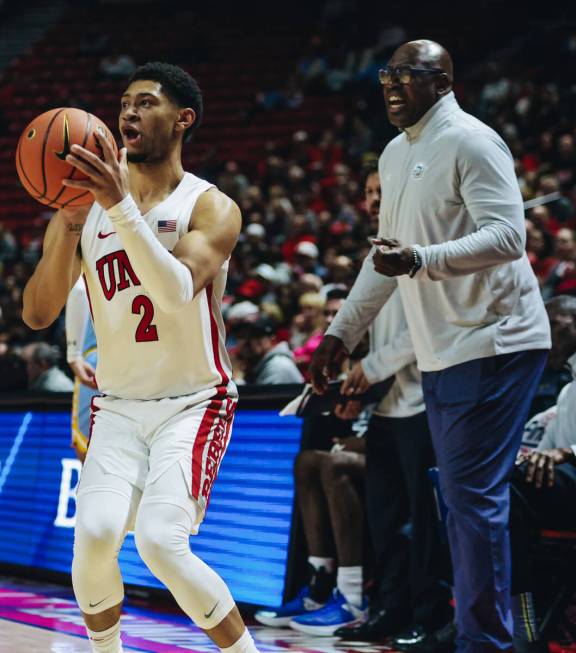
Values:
[(103, 235), (209, 614)]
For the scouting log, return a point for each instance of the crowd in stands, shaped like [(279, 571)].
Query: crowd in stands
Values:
[(305, 230)]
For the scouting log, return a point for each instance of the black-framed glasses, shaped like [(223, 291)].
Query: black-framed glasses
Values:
[(404, 74)]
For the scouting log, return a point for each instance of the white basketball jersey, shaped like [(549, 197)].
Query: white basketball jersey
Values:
[(144, 353)]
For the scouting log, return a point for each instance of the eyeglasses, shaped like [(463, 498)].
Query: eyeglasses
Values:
[(405, 74)]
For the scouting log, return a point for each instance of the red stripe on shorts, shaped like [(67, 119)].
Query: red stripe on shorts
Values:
[(210, 416)]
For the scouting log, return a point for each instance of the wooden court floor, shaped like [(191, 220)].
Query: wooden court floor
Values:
[(44, 618)]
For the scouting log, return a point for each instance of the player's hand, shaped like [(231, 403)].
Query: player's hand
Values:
[(107, 180), (85, 372), (326, 362), (541, 465), (356, 382), (348, 410), (391, 258)]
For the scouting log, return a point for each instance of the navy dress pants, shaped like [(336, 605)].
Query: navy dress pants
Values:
[(476, 411)]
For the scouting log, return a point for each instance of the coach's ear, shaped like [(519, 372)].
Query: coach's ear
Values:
[(186, 118)]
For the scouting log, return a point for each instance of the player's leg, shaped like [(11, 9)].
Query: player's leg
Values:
[(166, 518), (106, 503), (185, 454)]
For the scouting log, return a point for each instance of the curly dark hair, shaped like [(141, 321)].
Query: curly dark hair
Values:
[(178, 86)]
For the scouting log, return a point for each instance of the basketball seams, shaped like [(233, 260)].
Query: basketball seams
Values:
[(44, 144), (23, 170)]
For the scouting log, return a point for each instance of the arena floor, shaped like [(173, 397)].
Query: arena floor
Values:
[(38, 618)]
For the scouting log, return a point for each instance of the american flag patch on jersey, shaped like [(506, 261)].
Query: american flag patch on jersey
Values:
[(166, 225)]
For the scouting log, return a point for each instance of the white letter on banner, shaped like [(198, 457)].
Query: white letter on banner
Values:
[(68, 492)]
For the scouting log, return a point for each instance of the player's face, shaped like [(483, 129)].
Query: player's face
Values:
[(147, 119)]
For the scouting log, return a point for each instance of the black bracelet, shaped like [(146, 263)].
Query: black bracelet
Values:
[(416, 262)]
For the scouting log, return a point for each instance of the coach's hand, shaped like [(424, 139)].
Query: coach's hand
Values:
[(356, 382), (541, 464), (107, 180), (391, 258), (326, 362)]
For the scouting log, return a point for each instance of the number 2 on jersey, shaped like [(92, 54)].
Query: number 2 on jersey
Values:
[(146, 331)]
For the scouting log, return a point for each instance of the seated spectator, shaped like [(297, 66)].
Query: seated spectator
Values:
[(262, 360), (43, 371), (329, 496), (539, 248), (562, 278), (544, 485), (308, 327)]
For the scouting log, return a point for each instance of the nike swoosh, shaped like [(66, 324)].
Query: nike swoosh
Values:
[(93, 605), (209, 614), (102, 235), (66, 148)]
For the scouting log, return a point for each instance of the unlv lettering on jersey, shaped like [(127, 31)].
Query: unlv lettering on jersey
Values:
[(115, 273)]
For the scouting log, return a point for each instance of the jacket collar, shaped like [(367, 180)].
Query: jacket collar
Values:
[(444, 107)]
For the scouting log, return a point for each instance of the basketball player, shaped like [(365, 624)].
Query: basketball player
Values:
[(81, 356), (154, 250)]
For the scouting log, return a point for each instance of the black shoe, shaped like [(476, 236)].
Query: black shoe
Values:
[(417, 640), (524, 646), (384, 623)]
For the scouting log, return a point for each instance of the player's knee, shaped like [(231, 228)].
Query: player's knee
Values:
[(307, 465), (160, 541), (96, 535)]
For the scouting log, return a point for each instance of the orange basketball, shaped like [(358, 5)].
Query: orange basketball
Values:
[(42, 149)]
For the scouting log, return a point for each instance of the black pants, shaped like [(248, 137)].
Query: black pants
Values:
[(411, 560), (533, 509)]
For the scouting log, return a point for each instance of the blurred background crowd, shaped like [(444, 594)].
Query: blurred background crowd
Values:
[(294, 124)]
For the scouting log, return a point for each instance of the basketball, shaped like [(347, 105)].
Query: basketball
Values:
[(42, 150)]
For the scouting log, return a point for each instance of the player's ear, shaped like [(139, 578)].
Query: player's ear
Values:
[(186, 118)]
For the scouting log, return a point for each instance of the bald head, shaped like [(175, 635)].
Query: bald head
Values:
[(408, 99), (428, 54)]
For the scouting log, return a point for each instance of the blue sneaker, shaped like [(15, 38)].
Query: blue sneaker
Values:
[(300, 605), (335, 614)]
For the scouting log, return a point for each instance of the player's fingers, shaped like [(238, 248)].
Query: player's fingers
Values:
[(124, 158), (86, 168), (86, 184), (88, 157), (107, 150)]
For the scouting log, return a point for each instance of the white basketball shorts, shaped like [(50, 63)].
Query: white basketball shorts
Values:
[(139, 441)]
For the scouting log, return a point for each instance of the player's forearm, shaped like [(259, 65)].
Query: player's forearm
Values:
[(168, 281), (369, 293), (46, 292)]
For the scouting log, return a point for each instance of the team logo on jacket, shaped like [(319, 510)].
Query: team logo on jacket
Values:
[(418, 171)]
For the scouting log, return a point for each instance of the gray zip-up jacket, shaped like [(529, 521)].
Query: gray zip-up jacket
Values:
[(449, 188)]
